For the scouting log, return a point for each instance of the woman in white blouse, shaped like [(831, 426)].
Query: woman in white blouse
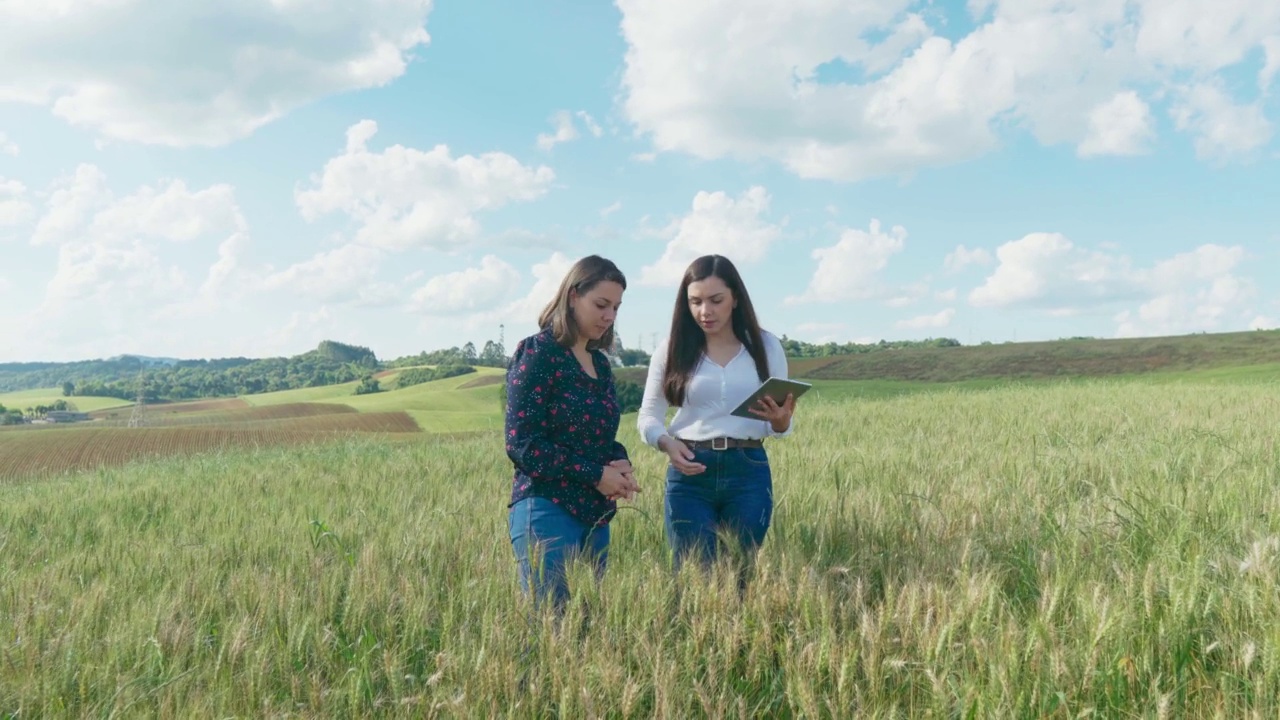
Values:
[(719, 478)]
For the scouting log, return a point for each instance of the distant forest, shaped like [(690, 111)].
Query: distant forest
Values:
[(330, 363)]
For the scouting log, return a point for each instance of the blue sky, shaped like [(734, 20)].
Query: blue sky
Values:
[(251, 177)]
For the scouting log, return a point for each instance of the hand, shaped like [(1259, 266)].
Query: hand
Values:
[(779, 416), (681, 457), (617, 481), (629, 473)]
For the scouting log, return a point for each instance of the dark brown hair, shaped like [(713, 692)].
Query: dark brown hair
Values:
[(687, 341), (581, 278)]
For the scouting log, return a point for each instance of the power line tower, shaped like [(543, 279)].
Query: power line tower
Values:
[(138, 417)]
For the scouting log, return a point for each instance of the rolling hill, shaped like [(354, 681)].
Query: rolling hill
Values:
[(1055, 359)]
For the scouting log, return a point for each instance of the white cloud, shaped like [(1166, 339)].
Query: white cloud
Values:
[(405, 198), (468, 291), (1271, 65), (1264, 323), (1119, 126), (937, 320), (1047, 269), (344, 274), (202, 72), (611, 209), (521, 315), (945, 295), (7, 146), (752, 79), (72, 201), (15, 209), (118, 279), (565, 131), (1223, 128), (717, 224), (590, 123), (174, 213), (1191, 291), (848, 269), (962, 257)]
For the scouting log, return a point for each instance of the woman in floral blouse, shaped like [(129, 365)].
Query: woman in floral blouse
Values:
[(561, 423)]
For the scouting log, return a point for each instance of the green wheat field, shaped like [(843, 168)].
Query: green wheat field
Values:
[(1100, 549)]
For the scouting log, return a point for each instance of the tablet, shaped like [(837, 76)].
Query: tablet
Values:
[(777, 388)]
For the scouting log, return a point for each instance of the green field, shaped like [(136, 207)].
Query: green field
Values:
[(1100, 549), (48, 396), (1052, 359)]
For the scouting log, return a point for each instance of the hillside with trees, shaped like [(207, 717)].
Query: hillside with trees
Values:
[(329, 363)]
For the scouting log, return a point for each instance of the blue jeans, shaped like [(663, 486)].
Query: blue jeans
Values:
[(734, 495), (546, 539)]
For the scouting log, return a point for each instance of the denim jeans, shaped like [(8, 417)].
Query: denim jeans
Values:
[(734, 494), (546, 539)]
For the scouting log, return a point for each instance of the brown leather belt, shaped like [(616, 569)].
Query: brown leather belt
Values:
[(721, 443)]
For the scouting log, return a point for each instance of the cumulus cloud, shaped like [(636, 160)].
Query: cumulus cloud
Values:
[(15, 207), (1192, 291), (962, 257), (7, 146), (850, 89), (468, 291), (405, 198), (202, 72), (1047, 269), (1119, 126), (716, 224), (345, 274), (848, 270), (522, 313), (1197, 290), (1224, 129), (118, 278)]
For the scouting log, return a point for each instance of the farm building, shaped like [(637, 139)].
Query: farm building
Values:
[(59, 416)]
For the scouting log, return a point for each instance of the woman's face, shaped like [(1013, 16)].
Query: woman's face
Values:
[(596, 310), (711, 303)]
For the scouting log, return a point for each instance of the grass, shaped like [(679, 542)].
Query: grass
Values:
[(1099, 549), (48, 396), (462, 403), (1053, 359)]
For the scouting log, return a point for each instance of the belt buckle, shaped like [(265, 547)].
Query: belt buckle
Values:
[(720, 443)]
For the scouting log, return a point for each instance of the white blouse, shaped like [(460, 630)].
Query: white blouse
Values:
[(712, 393)]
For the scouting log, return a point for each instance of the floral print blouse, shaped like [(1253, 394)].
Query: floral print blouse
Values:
[(560, 427)]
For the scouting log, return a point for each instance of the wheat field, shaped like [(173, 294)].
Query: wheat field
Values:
[(1097, 550)]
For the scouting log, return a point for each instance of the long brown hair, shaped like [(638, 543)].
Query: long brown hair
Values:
[(687, 341), (581, 278)]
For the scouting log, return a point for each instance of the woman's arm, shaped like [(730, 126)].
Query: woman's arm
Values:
[(776, 356), (652, 419)]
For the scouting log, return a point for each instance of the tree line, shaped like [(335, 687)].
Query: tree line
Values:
[(330, 363), (14, 416)]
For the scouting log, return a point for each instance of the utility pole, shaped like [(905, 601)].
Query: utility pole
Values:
[(138, 417)]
